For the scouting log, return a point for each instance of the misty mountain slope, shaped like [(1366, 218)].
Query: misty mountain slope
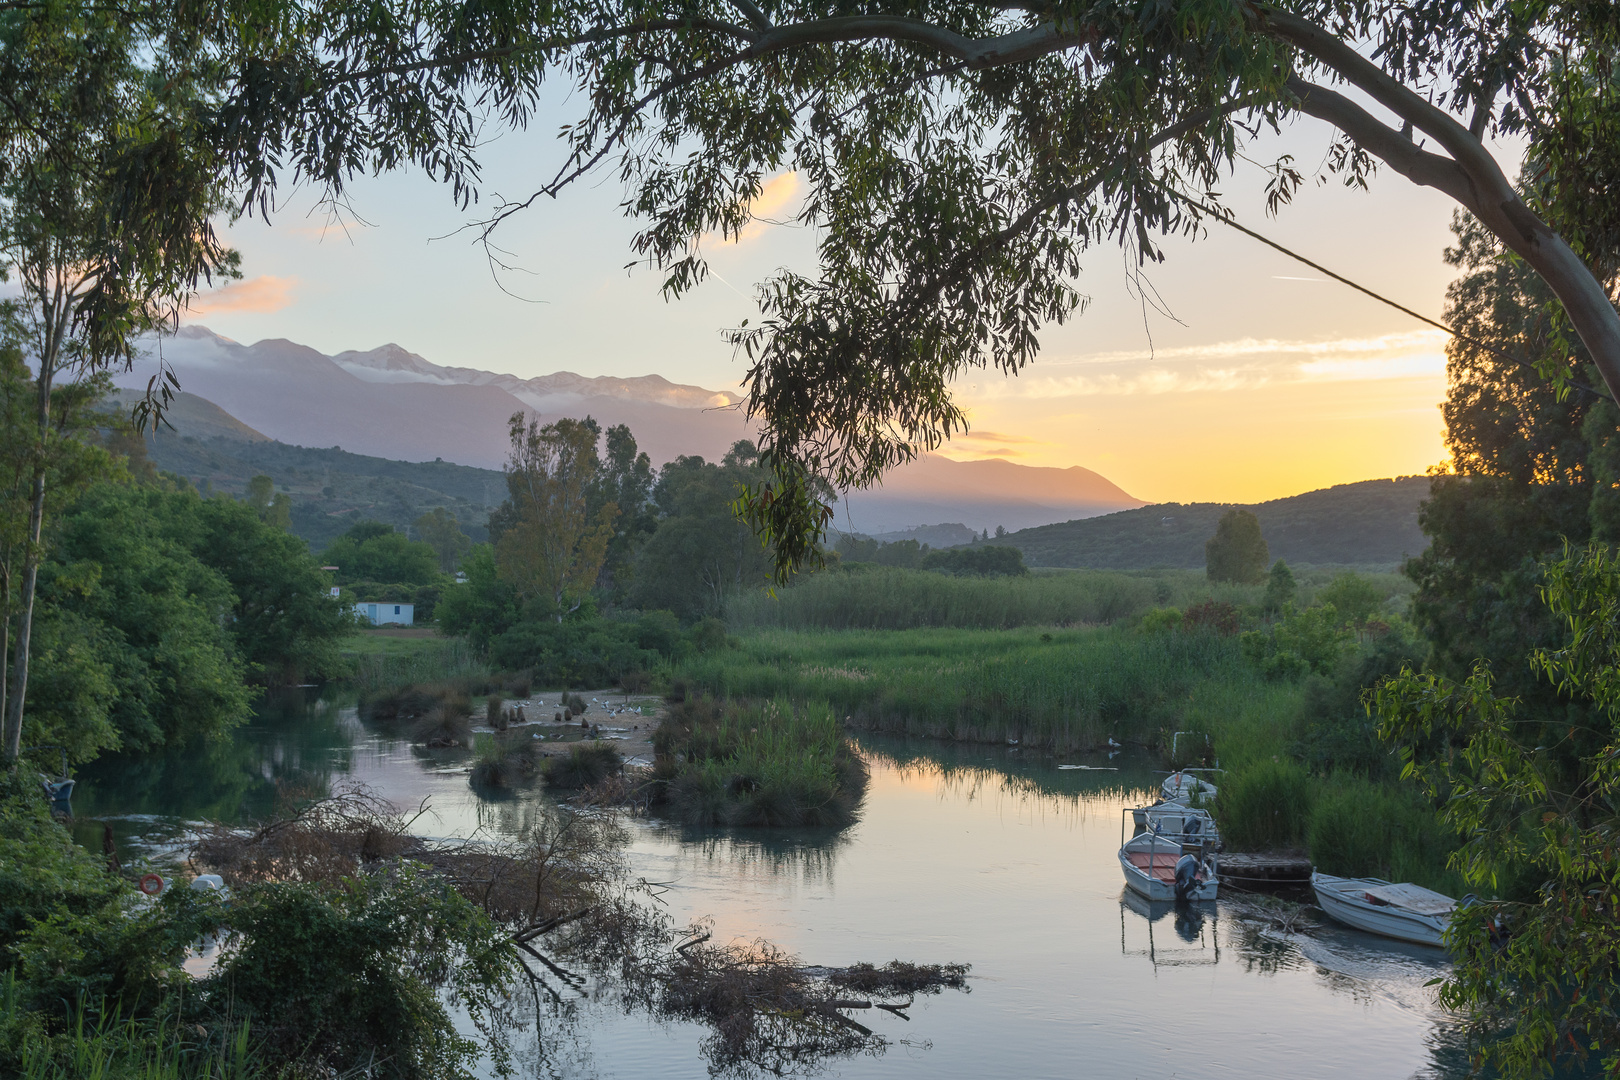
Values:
[(1374, 522), (980, 494), (391, 403), (300, 396), (191, 415)]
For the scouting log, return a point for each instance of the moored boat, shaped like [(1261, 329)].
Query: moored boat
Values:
[(1174, 858), (1184, 787), (1402, 911)]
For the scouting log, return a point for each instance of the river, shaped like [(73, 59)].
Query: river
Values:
[(985, 856)]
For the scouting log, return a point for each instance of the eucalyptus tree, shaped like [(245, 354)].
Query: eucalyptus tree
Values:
[(960, 157), (107, 192)]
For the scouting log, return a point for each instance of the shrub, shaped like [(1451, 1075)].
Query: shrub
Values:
[(1160, 620), (584, 765), (1266, 806), (495, 711)]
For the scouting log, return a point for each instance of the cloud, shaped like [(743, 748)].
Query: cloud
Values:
[(1243, 364), (996, 436), (261, 295), (778, 198)]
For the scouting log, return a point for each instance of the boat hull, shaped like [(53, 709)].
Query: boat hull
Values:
[(1156, 888), (1390, 922)]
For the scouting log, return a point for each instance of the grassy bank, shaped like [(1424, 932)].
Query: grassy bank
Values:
[(378, 661), (887, 598), (1060, 689)]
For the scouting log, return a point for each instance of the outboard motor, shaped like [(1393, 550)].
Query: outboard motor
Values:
[(1191, 829), (1188, 876)]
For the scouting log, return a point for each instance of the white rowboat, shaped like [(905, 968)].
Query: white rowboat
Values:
[(1405, 912), (1187, 788)]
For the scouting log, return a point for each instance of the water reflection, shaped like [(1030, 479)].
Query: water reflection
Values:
[(984, 855)]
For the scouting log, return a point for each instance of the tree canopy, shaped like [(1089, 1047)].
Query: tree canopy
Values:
[(960, 158)]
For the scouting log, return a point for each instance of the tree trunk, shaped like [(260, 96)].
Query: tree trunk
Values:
[(55, 324)]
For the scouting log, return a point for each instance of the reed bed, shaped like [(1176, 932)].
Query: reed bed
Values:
[(433, 661), (1065, 690), (891, 598), (770, 763)]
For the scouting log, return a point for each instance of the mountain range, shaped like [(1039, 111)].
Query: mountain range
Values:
[(390, 403)]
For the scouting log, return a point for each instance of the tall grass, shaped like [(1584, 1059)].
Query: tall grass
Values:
[(434, 661), (769, 763), (888, 598), (1363, 828), (1266, 806), (1062, 689), (110, 1047)]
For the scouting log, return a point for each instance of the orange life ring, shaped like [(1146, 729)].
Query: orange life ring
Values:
[(151, 885)]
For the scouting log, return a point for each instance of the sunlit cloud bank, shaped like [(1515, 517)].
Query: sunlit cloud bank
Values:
[(259, 295), (1245, 364)]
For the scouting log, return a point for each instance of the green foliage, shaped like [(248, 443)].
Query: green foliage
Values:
[(374, 551), (701, 555), (1160, 620), (884, 598), (481, 607), (1237, 551), (1280, 588), (768, 764), (861, 549), (1301, 643), (1361, 828), (347, 974), (594, 652), (440, 531), (1353, 597), (1531, 793), (1337, 733), (977, 561), (1072, 690), (273, 507), (1266, 806)]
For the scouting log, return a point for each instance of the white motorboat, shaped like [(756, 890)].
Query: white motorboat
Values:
[(1172, 848), (1176, 818), (1184, 787), (1405, 911)]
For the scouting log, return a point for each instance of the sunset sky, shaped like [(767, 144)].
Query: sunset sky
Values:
[(1269, 380)]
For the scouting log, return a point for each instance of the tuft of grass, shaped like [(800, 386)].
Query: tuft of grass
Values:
[(766, 764), (585, 765), (495, 712), (403, 661), (1265, 807), (505, 760), (449, 724)]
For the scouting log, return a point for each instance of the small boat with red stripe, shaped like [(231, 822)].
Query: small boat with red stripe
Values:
[(1174, 856)]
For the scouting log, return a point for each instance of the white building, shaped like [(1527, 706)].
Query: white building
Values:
[(383, 614)]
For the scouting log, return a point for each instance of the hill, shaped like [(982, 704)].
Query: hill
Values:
[(330, 489), (1371, 523)]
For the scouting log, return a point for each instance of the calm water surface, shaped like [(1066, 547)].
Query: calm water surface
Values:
[(994, 858)]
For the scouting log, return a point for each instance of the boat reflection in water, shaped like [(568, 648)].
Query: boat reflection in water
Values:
[(1174, 935)]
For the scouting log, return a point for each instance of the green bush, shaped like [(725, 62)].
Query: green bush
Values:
[(1160, 620), (989, 561), (1265, 807), (597, 652)]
